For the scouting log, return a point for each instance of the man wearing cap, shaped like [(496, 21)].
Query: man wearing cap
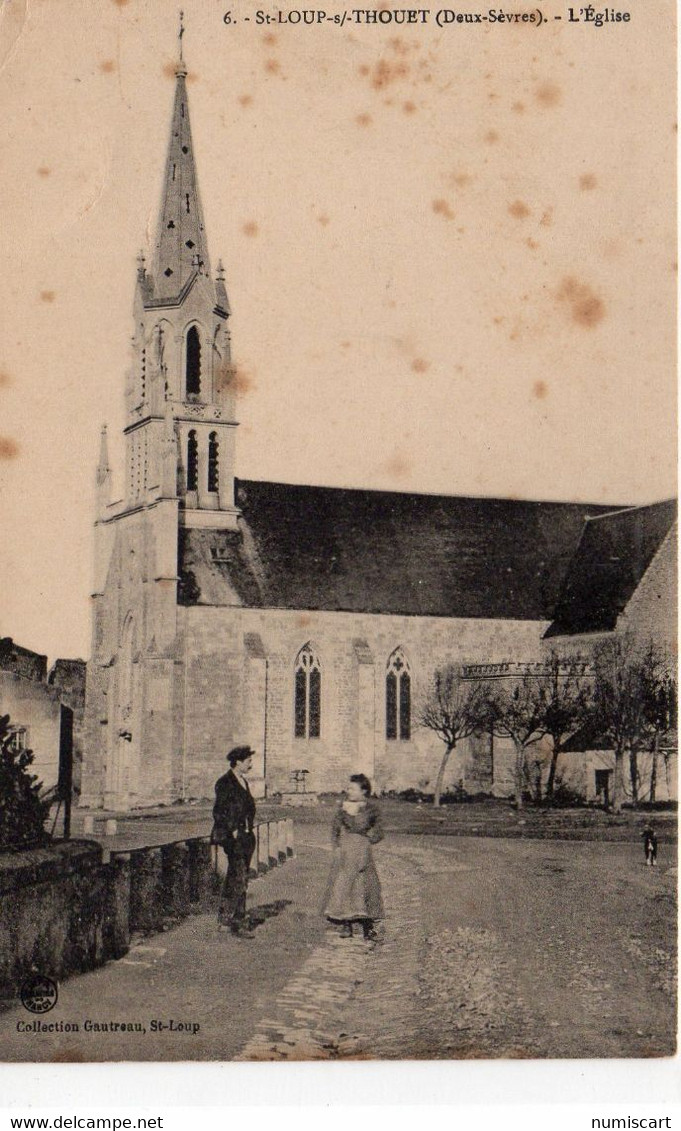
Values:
[(233, 814)]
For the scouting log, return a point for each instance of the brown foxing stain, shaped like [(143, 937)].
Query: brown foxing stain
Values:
[(548, 94), (498, 320), (107, 66), (491, 137), (409, 108), (303, 620), (250, 228), (43, 171), (586, 308), (243, 380), (420, 365), (441, 208), (345, 345), (272, 66), (398, 466), (323, 220), (547, 218), (587, 181), (400, 47), (47, 296), (5, 378), (9, 449), (364, 119), (674, 269), (246, 100), (532, 244), (540, 390), (170, 72), (269, 38), (518, 107), (233, 377), (518, 210), (460, 180), (386, 72)]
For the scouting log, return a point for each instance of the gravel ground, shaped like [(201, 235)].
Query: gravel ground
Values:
[(491, 948)]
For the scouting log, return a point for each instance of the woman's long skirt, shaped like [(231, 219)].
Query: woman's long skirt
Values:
[(354, 890)]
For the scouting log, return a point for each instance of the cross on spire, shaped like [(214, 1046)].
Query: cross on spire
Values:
[(180, 34)]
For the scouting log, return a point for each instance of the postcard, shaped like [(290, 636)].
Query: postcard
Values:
[(338, 465)]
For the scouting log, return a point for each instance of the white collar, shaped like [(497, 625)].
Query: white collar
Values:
[(240, 778)]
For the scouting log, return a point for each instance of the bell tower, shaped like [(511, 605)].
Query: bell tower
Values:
[(179, 471), (180, 427)]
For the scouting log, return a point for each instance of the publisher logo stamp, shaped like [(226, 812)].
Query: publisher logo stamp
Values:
[(38, 994)]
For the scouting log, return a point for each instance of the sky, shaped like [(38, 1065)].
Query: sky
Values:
[(450, 255)]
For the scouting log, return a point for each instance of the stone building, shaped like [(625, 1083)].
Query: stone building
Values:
[(45, 708), (621, 582), (304, 620)]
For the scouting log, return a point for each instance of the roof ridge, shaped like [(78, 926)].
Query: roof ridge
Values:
[(435, 495), (627, 509)]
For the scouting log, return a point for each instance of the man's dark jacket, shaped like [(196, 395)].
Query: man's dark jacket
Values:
[(234, 809)]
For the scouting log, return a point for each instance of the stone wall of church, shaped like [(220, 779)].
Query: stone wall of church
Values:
[(240, 667), (134, 696), (651, 613)]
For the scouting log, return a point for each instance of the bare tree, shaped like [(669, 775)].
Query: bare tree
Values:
[(455, 709), (566, 707), (518, 712), (630, 692), (661, 705)]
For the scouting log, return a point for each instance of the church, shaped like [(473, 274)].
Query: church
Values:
[(303, 620)]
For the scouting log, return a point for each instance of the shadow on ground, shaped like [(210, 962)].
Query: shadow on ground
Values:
[(258, 915)]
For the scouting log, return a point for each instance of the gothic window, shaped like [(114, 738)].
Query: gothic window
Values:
[(192, 462), (308, 694), (213, 462), (398, 697), (193, 362)]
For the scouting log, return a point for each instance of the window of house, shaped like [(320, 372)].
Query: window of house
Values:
[(398, 697), (213, 462), (193, 362), (18, 739), (192, 461), (308, 694)]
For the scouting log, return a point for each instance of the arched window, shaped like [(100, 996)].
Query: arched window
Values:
[(213, 462), (308, 694), (398, 697), (193, 362), (192, 462)]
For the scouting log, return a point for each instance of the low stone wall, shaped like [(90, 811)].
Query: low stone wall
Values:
[(74, 906)]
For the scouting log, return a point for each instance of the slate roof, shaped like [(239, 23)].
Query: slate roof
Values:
[(614, 552), (300, 547)]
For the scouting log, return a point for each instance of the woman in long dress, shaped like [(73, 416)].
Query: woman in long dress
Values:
[(354, 891)]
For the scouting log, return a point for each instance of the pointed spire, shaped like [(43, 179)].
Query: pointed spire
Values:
[(103, 476), (181, 245), (103, 465)]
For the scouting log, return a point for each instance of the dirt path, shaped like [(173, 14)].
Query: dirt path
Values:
[(492, 948)]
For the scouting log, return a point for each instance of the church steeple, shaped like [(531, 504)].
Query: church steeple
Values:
[(181, 248), (180, 392)]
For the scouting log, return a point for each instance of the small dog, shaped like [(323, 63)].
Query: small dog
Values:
[(649, 845)]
